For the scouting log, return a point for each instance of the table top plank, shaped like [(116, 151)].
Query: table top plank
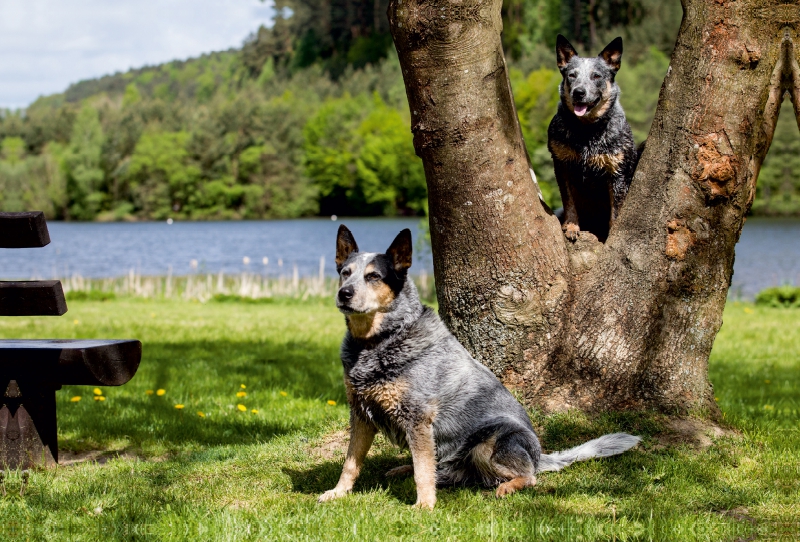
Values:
[(85, 362), (23, 230), (32, 298)]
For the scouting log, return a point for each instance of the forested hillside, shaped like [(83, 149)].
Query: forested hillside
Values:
[(310, 117)]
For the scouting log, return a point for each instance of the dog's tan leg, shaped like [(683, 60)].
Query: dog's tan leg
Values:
[(570, 224), (361, 436), (404, 470), (423, 454), (514, 485)]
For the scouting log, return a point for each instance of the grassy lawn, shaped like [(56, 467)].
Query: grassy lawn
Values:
[(213, 471)]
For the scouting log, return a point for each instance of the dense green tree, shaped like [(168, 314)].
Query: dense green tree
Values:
[(82, 165), (311, 117), (161, 178)]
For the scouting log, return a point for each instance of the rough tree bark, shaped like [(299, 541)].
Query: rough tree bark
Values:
[(628, 324)]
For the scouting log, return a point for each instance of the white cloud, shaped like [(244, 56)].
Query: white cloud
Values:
[(47, 44)]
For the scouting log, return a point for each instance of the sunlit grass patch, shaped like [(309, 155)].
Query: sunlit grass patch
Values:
[(211, 470)]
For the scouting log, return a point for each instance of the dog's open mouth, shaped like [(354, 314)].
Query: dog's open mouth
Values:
[(582, 109)]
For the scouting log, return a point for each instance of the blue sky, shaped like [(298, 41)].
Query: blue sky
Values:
[(47, 44)]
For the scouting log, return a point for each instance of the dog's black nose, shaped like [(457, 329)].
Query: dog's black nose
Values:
[(346, 293), (578, 93)]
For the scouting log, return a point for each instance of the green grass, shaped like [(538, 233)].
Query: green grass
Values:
[(232, 475)]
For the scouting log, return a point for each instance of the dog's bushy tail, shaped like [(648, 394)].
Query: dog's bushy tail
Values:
[(607, 445)]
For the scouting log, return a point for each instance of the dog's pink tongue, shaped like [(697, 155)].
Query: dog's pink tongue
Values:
[(580, 110)]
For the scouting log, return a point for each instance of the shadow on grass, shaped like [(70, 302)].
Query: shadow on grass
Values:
[(324, 476)]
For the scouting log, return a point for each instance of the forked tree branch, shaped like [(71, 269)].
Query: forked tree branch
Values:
[(628, 324)]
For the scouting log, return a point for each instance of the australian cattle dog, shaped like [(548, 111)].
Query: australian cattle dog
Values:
[(590, 140), (407, 376)]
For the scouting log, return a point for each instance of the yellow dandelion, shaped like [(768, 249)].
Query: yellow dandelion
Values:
[(76, 322), (254, 411), (242, 408), (97, 391), (766, 382), (201, 414), (99, 398), (241, 394), (768, 407), (332, 403), (160, 392), (76, 399), (748, 310), (242, 386), (716, 399), (282, 393), (179, 407), (149, 392), (152, 315)]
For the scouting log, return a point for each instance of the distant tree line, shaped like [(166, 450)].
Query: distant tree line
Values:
[(310, 117)]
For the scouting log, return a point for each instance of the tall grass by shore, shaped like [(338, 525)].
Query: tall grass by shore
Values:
[(204, 287)]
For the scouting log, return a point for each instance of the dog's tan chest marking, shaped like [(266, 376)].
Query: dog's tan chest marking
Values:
[(364, 326), (387, 395), (563, 152), (607, 162)]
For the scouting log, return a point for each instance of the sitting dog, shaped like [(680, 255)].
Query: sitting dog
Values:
[(408, 377), (590, 141)]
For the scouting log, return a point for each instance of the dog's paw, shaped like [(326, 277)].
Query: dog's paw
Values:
[(405, 470), (426, 504), (571, 231), (332, 494), (505, 489)]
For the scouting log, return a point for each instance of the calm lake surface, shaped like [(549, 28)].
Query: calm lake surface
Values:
[(768, 253)]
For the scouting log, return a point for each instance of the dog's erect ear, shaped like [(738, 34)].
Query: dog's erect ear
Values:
[(612, 54), (345, 246), (564, 51), (400, 251)]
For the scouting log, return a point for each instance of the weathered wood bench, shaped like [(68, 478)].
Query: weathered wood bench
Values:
[(31, 371)]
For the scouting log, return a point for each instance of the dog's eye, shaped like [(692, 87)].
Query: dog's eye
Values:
[(345, 273), (372, 277), (572, 76), (595, 76)]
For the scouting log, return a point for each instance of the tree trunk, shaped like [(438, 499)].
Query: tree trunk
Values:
[(628, 324)]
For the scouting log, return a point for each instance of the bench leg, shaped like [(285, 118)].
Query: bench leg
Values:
[(28, 431)]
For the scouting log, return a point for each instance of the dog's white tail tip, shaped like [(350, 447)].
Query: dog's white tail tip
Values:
[(605, 446)]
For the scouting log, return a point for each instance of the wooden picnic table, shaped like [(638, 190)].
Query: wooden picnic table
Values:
[(32, 370)]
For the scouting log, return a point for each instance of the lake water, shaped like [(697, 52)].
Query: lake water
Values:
[(768, 253)]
